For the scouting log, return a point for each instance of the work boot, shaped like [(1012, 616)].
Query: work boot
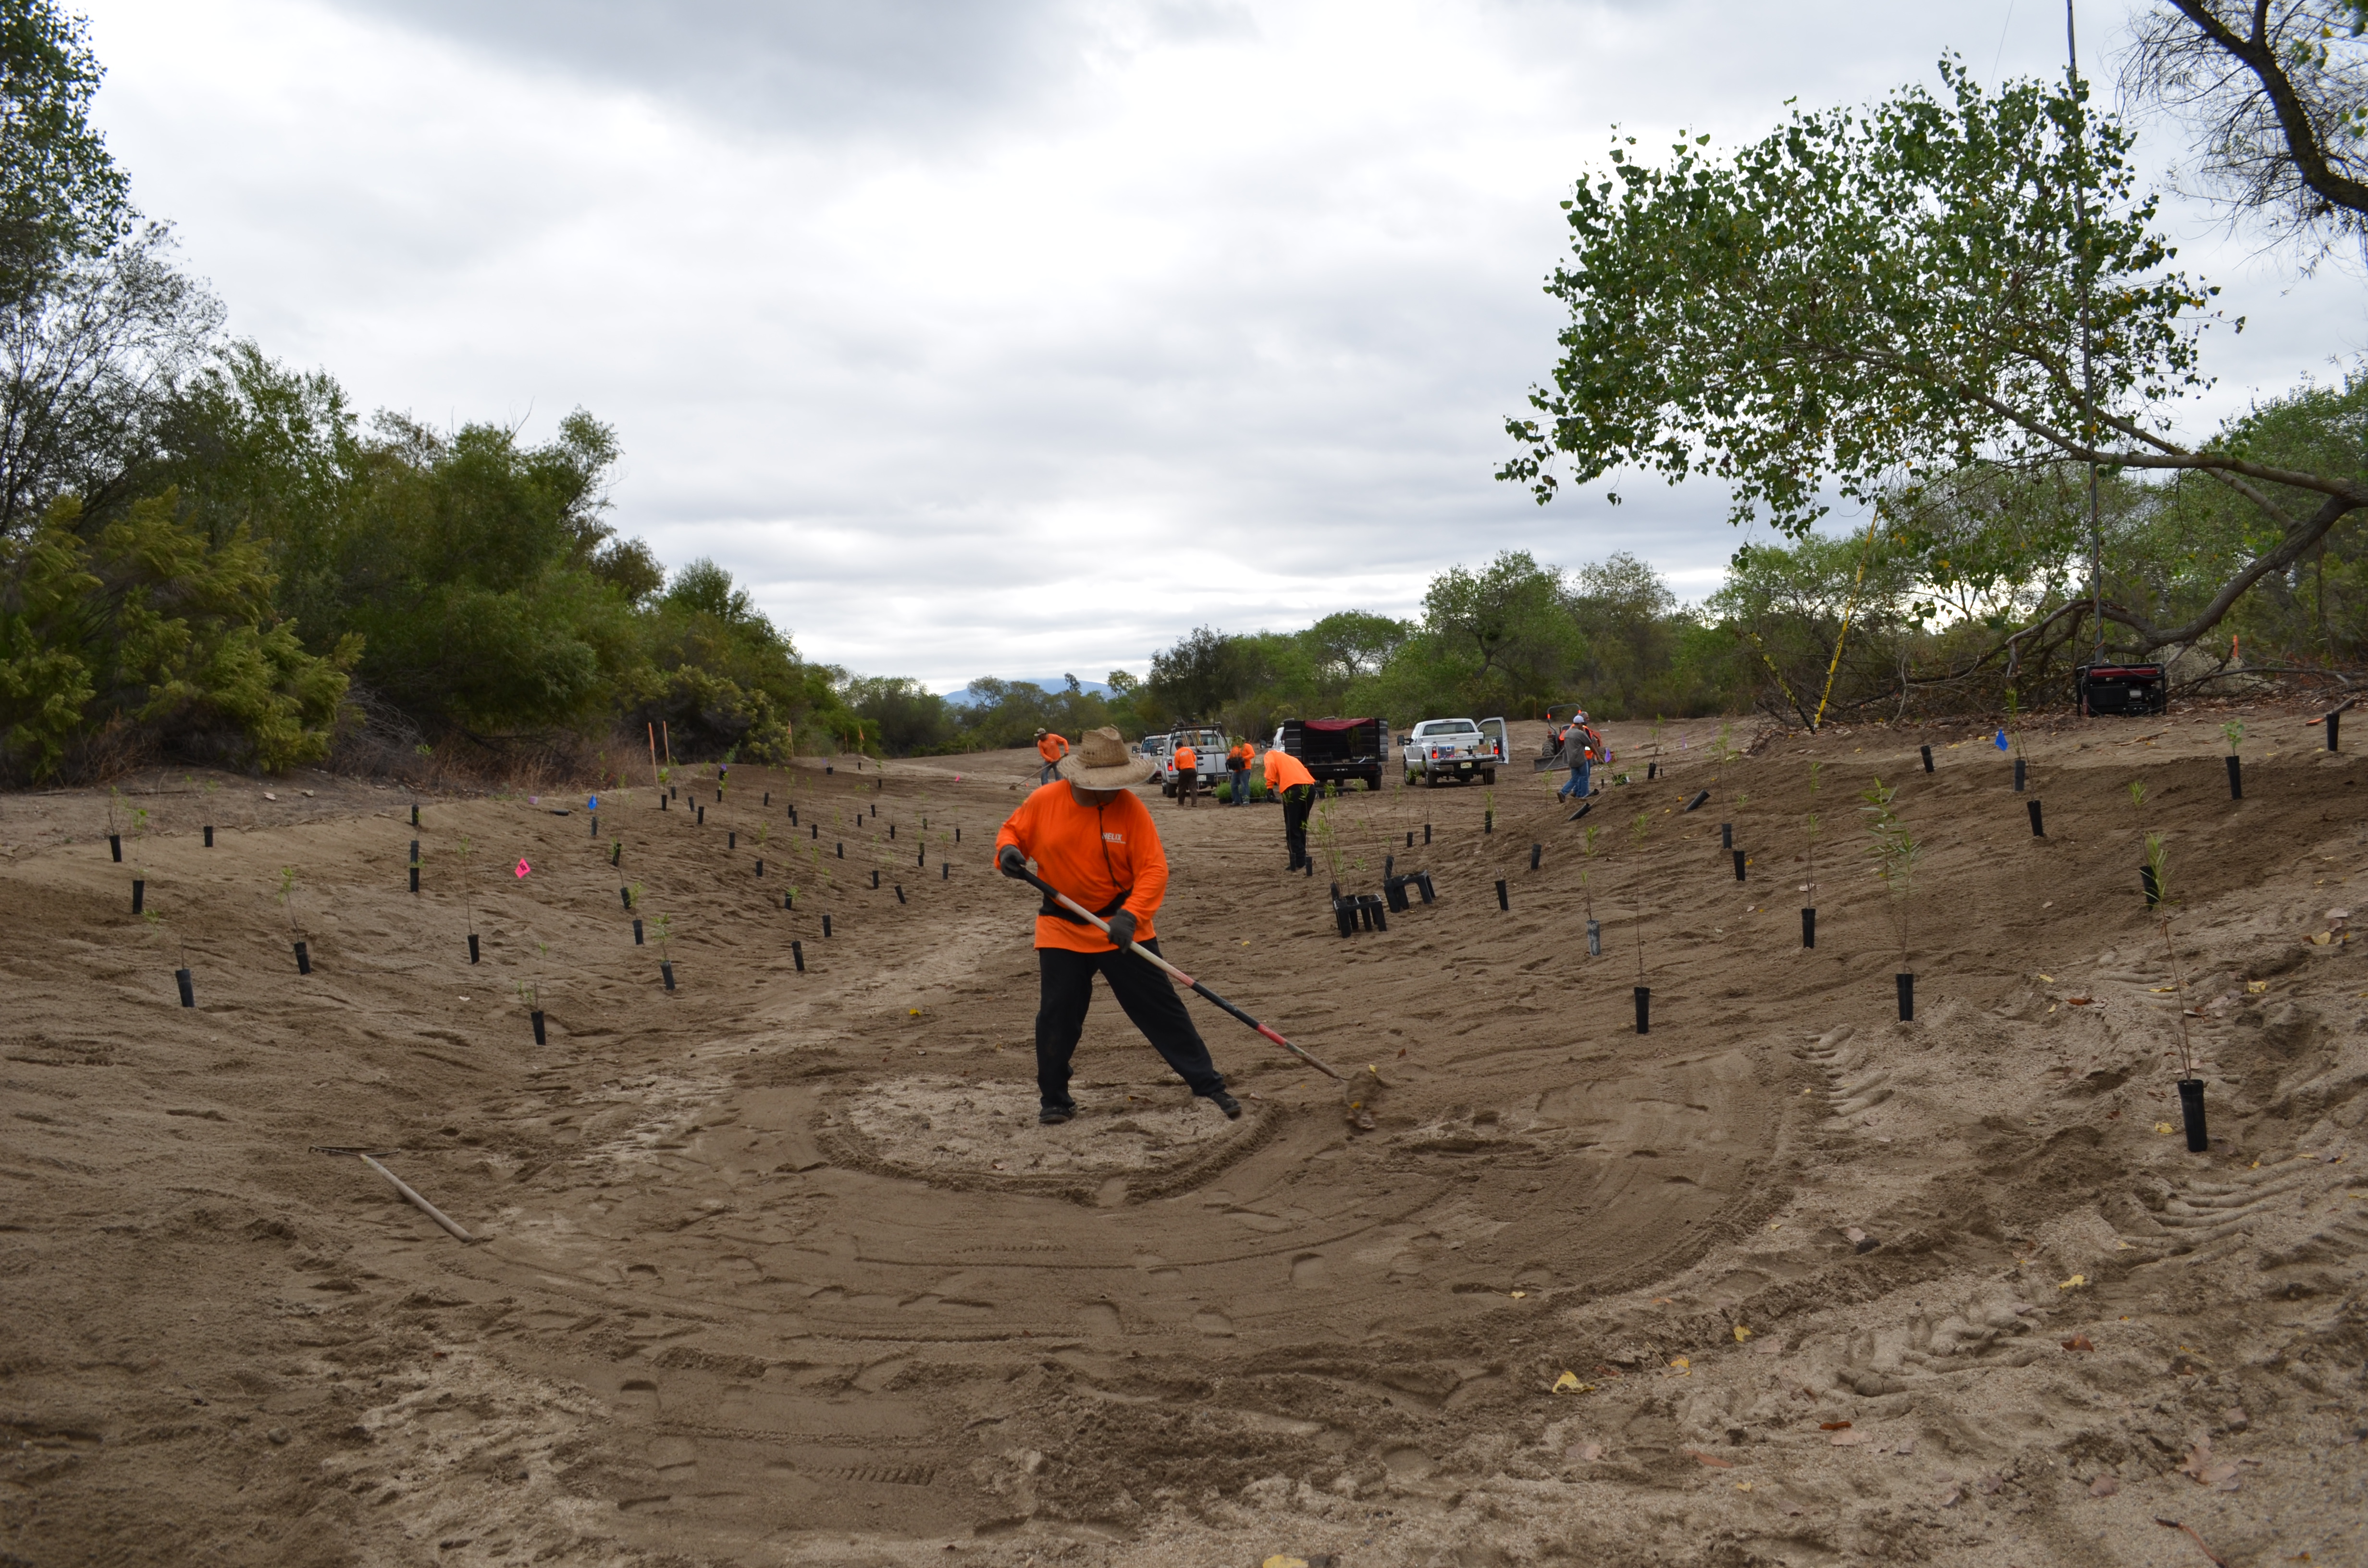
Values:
[(1226, 1103), (1053, 1115)]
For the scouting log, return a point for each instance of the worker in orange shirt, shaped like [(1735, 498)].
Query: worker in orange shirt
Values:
[(1288, 777), (1237, 772), (1091, 836), (1188, 776), (1052, 748)]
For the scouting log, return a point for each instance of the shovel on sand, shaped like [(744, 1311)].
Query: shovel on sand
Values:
[(1350, 1089)]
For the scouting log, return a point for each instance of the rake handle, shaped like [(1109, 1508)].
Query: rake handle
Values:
[(1139, 950)]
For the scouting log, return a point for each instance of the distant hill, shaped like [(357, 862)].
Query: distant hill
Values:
[(964, 697)]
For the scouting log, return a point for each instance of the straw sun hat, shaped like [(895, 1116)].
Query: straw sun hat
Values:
[(1100, 761)]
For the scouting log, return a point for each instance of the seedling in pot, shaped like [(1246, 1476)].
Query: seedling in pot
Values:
[(1895, 854), (295, 927), (467, 898), (2233, 731), (662, 933), (114, 823), (530, 996), (1809, 888)]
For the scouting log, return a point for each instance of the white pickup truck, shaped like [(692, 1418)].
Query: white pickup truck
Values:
[(1440, 749), (1208, 756)]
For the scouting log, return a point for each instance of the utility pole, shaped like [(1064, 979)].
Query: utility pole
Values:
[(2088, 370)]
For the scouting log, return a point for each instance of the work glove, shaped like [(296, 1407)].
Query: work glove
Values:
[(1121, 929), (1011, 861)]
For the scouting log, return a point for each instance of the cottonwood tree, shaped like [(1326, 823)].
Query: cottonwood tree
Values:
[(1871, 302), (2275, 95)]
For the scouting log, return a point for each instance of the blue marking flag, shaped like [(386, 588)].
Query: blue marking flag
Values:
[(593, 804), (2001, 740)]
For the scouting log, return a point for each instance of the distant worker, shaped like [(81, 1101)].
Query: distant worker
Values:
[(1092, 837), (1237, 772), (1581, 749), (1052, 748), (1288, 777), (1188, 776)]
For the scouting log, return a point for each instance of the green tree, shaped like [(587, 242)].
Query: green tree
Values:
[(1860, 299)]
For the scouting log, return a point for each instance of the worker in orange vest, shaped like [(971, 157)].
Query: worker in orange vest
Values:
[(1288, 777), (1237, 771), (1092, 837), (1188, 776), (1052, 748)]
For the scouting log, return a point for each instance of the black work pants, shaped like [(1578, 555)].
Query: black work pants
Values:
[(1146, 994), (1297, 802)]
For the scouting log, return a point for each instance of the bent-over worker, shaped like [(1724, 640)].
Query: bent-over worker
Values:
[(1188, 776), (1237, 771), (1091, 836), (1288, 777), (1052, 747)]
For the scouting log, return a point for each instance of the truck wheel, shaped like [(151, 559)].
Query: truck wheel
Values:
[(1487, 776)]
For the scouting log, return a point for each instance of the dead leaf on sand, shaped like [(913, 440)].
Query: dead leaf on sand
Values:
[(2079, 1342), (1951, 1497), (1833, 1426), (2104, 1487)]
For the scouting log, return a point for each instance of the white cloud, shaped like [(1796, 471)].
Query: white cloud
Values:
[(989, 348)]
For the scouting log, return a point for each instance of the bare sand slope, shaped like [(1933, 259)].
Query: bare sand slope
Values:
[(777, 1267)]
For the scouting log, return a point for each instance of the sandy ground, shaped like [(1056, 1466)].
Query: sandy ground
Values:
[(777, 1267)]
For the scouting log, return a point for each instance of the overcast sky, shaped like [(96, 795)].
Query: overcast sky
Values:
[(1012, 338)]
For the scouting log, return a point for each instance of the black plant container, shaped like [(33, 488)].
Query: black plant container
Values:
[(1644, 1009), (209, 838), (625, 897), (921, 860), (472, 947), (1700, 799), (1907, 985), (536, 1016), (661, 802), (798, 956), (900, 893), (415, 813), (1409, 838), (1809, 926), (842, 851), (2146, 880), (945, 871), (2236, 776), (825, 924), (875, 881), (768, 797), (1594, 940), (732, 840), (1928, 757), (1376, 913), (701, 818), (415, 865), (790, 899), (2038, 823), (1738, 865), (1502, 902), (957, 833), (1489, 822), (139, 895), (1536, 852), (188, 987), (304, 959), (665, 969), (1344, 916), (2191, 1110), (115, 846), (2333, 720), (827, 767), (1422, 881), (595, 824), (2018, 776), (637, 930), (1726, 835), (892, 826), (1426, 832), (1652, 771), (617, 853)]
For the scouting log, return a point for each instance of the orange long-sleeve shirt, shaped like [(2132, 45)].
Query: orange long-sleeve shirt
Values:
[(1092, 853), (1283, 770), (1053, 747)]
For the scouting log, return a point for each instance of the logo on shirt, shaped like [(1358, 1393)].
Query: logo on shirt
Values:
[(1113, 838)]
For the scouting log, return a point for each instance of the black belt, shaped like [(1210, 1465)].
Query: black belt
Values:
[(1106, 911)]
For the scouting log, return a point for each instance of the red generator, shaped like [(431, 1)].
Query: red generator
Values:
[(2100, 690)]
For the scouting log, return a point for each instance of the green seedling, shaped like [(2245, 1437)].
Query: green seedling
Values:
[(287, 899), (2233, 731), (633, 895), (1895, 854), (1812, 889), (661, 933)]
